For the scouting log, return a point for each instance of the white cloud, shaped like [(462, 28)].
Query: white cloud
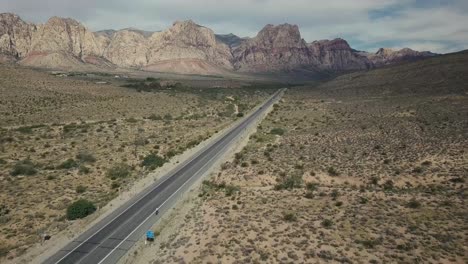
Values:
[(441, 26)]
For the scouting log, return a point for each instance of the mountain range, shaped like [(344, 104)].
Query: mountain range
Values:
[(185, 47)]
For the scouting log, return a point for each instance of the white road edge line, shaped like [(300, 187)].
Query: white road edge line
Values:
[(201, 152)]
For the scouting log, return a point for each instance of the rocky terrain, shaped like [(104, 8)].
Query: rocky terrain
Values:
[(186, 47), (354, 176)]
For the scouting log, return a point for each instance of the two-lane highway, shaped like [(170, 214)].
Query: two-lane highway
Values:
[(112, 237)]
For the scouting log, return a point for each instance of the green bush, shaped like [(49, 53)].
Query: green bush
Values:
[(413, 203), (119, 171), (80, 209), (327, 223), (153, 161), (24, 167), (277, 131), (290, 217)]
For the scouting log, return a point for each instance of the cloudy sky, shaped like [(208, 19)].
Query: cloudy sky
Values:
[(436, 25)]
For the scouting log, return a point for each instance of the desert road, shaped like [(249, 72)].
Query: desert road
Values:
[(115, 234)]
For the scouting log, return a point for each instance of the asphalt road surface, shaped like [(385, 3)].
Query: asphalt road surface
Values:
[(113, 236)]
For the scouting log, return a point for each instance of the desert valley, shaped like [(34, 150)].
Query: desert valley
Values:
[(337, 155)]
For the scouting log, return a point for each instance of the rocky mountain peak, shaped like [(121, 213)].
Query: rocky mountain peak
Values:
[(184, 47), (386, 56), (385, 52), (285, 35), (336, 54)]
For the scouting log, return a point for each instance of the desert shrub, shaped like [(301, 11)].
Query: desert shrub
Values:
[(426, 163), (119, 171), (327, 223), (363, 200), (290, 217), (332, 171), (374, 180), (145, 86), (24, 167), (290, 182), (231, 189), (4, 210), (238, 155), (277, 131), (155, 117), (388, 185), (309, 195), (131, 120), (28, 129), (334, 194), (418, 170), (83, 128), (85, 157), (171, 153), (192, 143), (68, 164), (80, 189), (153, 161), (240, 114), (327, 255), (80, 209), (369, 243), (339, 203), (254, 161), (3, 162), (413, 203), (115, 185), (311, 186), (244, 164), (235, 207), (168, 117), (83, 169)]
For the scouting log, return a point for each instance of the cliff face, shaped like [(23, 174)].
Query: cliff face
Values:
[(127, 49), (187, 40), (15, 36), (64, 35), (185, 48), (274, 48), (337, 55)]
